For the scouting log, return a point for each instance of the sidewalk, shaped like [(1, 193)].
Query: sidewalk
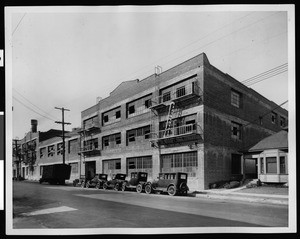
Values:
[(234, 194)]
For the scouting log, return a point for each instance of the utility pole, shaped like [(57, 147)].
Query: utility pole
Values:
[(18, 156), (63, 128)]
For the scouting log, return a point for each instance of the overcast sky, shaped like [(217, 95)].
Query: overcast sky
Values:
[(66, 57)]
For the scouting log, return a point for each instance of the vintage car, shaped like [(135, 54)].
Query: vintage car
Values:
[(172, 183), (97, 181), (116, 182), (136, 182), (78, 182)]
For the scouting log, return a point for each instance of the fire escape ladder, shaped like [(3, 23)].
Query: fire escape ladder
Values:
[(169, 119)]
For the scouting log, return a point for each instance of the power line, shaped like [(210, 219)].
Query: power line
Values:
[(265, 78), (32, 103), (275, 70), (32, 109)]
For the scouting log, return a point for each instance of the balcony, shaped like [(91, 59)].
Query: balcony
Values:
[(181, 94), (179, 134), (90, 150), (91, 125)]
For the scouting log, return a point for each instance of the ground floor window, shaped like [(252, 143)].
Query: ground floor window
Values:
[(180, 162), (141, 164), (111, 167), (262, 165), (282, 165), (271, 164), (41, 170)]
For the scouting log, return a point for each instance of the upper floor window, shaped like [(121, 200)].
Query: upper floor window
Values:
[(138, 134), (73, 146), (59, 149), (236, 98), (282, 121), (91, 122), (274, 118), (138, 106), (51, 150), (180, 91), (236, 130), (42, 152), (111, 116), (111, 141)]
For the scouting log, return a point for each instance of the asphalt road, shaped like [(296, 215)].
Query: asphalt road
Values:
[(54, 206)]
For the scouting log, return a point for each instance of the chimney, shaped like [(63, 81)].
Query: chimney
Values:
[(34, 124)]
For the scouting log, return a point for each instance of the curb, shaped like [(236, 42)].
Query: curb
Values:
[(253, 198)]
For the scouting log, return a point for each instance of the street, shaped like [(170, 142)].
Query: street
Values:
[(53, 206)]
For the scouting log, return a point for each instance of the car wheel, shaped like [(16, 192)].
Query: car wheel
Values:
[(97, 186), (172, 190), (82, 184), (148, 189), (117, 187), (124, 187), (105, 186), (139, 188)]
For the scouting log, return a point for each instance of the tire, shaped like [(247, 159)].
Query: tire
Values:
[(172, 190), (139, 188), (97, 186), (82, 184), (105, 186), (148, 189), (124, 187), (116, 187)]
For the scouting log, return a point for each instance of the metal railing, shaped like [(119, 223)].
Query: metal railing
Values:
[(177, 131), (188, 89), (92, 124), (87, 148)]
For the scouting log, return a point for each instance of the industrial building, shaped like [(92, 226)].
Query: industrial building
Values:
[(191, 118)]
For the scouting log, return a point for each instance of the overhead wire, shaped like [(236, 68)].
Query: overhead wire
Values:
[(31, 109), (33, 103)]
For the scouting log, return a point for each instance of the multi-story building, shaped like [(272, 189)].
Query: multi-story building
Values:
[(191, 118), (51, 152), (38, 149)]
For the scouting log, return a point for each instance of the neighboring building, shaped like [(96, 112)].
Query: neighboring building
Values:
[(271, 157), (37, 149), (51, 152), (191, 118)]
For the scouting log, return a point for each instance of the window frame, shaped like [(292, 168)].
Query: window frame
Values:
[(236, 98)]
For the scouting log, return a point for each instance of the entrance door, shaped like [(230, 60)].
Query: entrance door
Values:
[(90, 169)]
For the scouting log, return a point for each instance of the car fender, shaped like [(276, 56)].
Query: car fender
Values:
[(171, 184)]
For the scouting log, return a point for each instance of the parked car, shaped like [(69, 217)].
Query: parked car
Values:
[(79, 181), (97, 181), (116, 182), (172, 183), (136, 182), (55, 173)]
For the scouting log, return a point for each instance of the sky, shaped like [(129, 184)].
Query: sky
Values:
[(67, 57)]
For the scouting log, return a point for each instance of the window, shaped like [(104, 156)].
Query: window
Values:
[(118, 139), (147, 103), (73, 146), (105, 119), (50, 151), (131, 136), (41, 170), (106, 141), (236, 130), (235, 99), (131, 109), (282, 121), (166, 96), (59, 148), (42, 152), (274, 118), (118, 114), (180, 91), (260, 120), (262, 169), (271, 165), (118, 165), (282, 164)]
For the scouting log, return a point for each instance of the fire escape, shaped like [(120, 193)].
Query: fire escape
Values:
[(90, 146), (173, 102)]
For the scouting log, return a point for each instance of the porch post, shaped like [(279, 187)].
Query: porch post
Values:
[(278, 163)]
